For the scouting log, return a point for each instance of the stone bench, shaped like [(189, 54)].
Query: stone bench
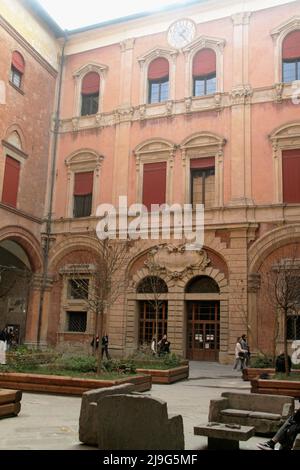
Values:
[(265, 412), (224, 436), (10, 403), (88, 411), (137, 422)]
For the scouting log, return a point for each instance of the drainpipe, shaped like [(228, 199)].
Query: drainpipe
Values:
[(47, 239)]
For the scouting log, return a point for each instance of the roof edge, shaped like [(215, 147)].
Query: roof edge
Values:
[(35, 6)]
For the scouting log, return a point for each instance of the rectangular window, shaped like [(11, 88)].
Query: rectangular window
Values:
[(76, 322), (158, 91), (83, 194), (11, 182), (78, 289), (203, 181), (291, 70), (16, 77), (205, 85), (154, 184), (293, 327), (89, 104), (291, 176)]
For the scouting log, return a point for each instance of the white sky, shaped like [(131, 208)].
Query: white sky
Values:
[(75, 14)]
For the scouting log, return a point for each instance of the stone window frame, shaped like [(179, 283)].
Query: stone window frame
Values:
[(145, 60), (82, 161), (204, 42), (75, 305), (286, 137), (10, 149), (155, 151), (78, 76), (278, 35), (204, 145)]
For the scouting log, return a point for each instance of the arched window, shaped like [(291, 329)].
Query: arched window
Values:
[(204, 73), (152, 285), (158, 80), (90, 91), (291, 57), (202, 285), (17, 69)]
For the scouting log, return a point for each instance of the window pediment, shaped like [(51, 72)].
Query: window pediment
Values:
[(157, 52), (286, 135), (92, 67), (85, 159), (154, 147), (205, 42), (287, 26), (203, 139)]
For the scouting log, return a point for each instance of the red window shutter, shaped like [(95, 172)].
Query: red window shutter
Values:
[(154, 184), (18, 61), (198, 163), (159, 68), (11, 182), (291, 46), (83, 183), (91, 84), (291, 175), (204, 63)]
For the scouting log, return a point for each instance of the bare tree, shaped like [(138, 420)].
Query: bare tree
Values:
[(281, 286), (154, 288), (108, 282)]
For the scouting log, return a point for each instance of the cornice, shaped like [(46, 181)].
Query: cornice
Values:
[(23, 43)]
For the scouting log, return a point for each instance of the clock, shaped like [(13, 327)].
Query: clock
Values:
[(181, 33)]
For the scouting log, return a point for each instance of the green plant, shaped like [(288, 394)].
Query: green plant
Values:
[(261, 362), (77, 363)]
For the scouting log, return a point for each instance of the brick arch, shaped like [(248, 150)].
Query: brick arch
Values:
[(68, 246), (28, 242), (270, 242), (16, 128)]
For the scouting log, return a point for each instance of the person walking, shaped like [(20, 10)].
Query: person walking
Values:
[(245, 347), (239, 355), (105, 346), (3, 346)]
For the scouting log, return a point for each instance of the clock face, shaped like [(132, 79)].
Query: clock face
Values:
[(181, 33)]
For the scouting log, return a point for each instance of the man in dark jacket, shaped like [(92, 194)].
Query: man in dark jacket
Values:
[(280, 363)]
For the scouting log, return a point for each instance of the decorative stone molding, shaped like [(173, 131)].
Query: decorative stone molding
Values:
[(241, 95), (278, 35), (285, 138), (78, 76), (151, 151), (146, 59), (254, 281), (169, 107), (124, 114), (278, 87), (127, 44), (175, 261), (188, 104), (203, 42), (82, 161), (242, 18), (202, 145)]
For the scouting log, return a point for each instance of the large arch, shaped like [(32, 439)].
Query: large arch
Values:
[(266, 252), (176, 297), (27, 241)]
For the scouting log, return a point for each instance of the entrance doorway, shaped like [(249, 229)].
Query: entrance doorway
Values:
[(203, 319), (203, 334), (148, 321)]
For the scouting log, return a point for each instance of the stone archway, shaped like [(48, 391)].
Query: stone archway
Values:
[(20, 261), (177, 266)]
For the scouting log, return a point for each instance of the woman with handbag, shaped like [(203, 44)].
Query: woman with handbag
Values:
[(239, 355)]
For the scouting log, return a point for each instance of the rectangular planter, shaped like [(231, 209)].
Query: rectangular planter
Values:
[(167, 376), (276, 387), (66, 385), (250, 373)]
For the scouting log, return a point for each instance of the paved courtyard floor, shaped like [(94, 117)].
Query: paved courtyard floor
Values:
[(50, 422)]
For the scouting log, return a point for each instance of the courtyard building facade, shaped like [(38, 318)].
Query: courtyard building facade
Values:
[(197, 104)]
